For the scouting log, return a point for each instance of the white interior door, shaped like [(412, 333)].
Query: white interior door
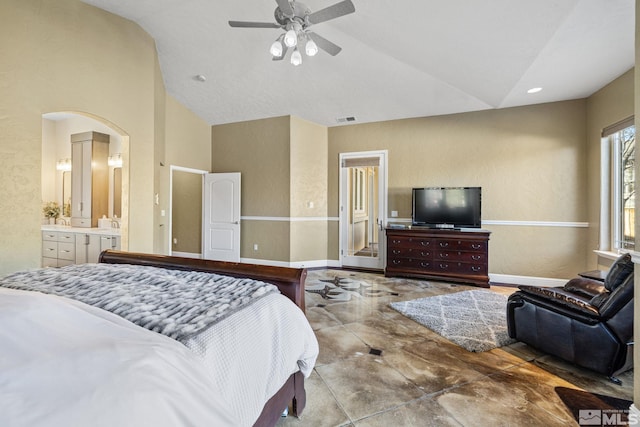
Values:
[(221, 216), (363, 207)]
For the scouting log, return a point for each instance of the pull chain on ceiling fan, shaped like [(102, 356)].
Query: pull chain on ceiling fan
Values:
[(295, 19)]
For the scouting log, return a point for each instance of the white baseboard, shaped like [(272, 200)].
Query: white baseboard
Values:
[(526, 280), (320, 263), (497, 278)]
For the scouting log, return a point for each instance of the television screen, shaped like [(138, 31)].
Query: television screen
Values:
[(447, 207)]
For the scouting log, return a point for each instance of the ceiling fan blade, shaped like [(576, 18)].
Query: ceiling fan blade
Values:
[(324, 44), (285, 7), (339, 9), (247, 24)]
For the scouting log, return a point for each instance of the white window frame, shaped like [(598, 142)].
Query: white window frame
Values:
[(611, 182)]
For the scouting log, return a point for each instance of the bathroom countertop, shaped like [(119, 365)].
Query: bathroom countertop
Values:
[(69, 229)]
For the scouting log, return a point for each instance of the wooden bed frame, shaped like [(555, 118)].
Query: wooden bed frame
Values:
[(290, 281)]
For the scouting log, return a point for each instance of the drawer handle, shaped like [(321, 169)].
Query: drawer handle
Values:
[(396, 241), (476, 246), (444, 255), (475, 257), (50, 249), (423, 253), (396, 251), (444, 244), (66, 251), (475, 268), (424, 264), (423, 243), (444, 266), (396, 261)]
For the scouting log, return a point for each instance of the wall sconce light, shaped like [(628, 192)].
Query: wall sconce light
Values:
[(63, 165), (115, 160)]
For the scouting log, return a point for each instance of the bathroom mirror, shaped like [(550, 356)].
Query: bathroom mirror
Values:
[(66, 193), (117, 192)]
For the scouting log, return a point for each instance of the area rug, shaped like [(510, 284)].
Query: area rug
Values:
[(475, 320)]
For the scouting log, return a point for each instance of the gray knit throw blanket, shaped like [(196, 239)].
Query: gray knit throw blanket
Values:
[(178, 304)]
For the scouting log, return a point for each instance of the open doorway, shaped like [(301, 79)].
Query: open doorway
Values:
[(185, 216), (363, 207), (57, 127)]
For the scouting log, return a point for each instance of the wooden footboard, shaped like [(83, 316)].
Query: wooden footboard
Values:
[(292, 392), (290, 281)]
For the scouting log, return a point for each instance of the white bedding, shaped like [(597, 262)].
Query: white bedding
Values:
[(63, 363)]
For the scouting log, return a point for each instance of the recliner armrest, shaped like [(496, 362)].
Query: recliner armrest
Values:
[(583, 285), (562, 298)]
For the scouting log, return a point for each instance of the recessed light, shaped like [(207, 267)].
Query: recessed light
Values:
[(200, 78), (534, 90)]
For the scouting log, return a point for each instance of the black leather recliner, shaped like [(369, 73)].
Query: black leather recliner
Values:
[(586, 322)]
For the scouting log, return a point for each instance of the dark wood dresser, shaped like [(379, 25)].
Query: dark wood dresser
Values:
[(447, 255)]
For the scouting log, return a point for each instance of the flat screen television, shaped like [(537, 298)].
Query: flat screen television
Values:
[(447, 207)]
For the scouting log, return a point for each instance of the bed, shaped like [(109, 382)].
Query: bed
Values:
[(245, 368)]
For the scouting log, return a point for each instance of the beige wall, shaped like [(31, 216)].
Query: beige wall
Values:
[(609, 105), (188, 138), (260, 151), (58, 59), (284, 186), (529, 161), (309, 172), (187, 145)]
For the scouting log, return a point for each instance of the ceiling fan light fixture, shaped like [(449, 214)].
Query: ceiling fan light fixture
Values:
[(291, 38), (311, 48), (276, 48), (296, 57)]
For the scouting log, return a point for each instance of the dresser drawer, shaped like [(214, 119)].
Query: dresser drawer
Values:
[(409, 242), (49, 249), (50, 236), (459, 267), (472, 257), (67, 251), (49, 262), (66, 237), (403, 252), (409, 263), (63, 262), (462, 245)]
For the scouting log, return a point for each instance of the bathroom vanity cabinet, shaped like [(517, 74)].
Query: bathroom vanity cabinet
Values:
[(89, 178)]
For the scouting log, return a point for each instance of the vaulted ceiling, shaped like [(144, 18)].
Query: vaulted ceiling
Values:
[(400, 59)]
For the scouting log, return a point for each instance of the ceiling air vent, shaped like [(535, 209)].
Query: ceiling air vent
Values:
[(346, 119)]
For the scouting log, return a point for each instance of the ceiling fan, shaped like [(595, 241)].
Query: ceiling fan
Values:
[(295, 19)]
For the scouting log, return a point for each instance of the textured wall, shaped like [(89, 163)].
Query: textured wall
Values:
[(69, 56), (529, 161), (57, 58), (188, 145), (283, 162), (607, 106), (309, 172), (260, 151)]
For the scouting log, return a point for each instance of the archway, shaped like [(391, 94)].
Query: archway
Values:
[(56, 130)]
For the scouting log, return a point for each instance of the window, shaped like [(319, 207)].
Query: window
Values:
[(625, 149), (617, 223)]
